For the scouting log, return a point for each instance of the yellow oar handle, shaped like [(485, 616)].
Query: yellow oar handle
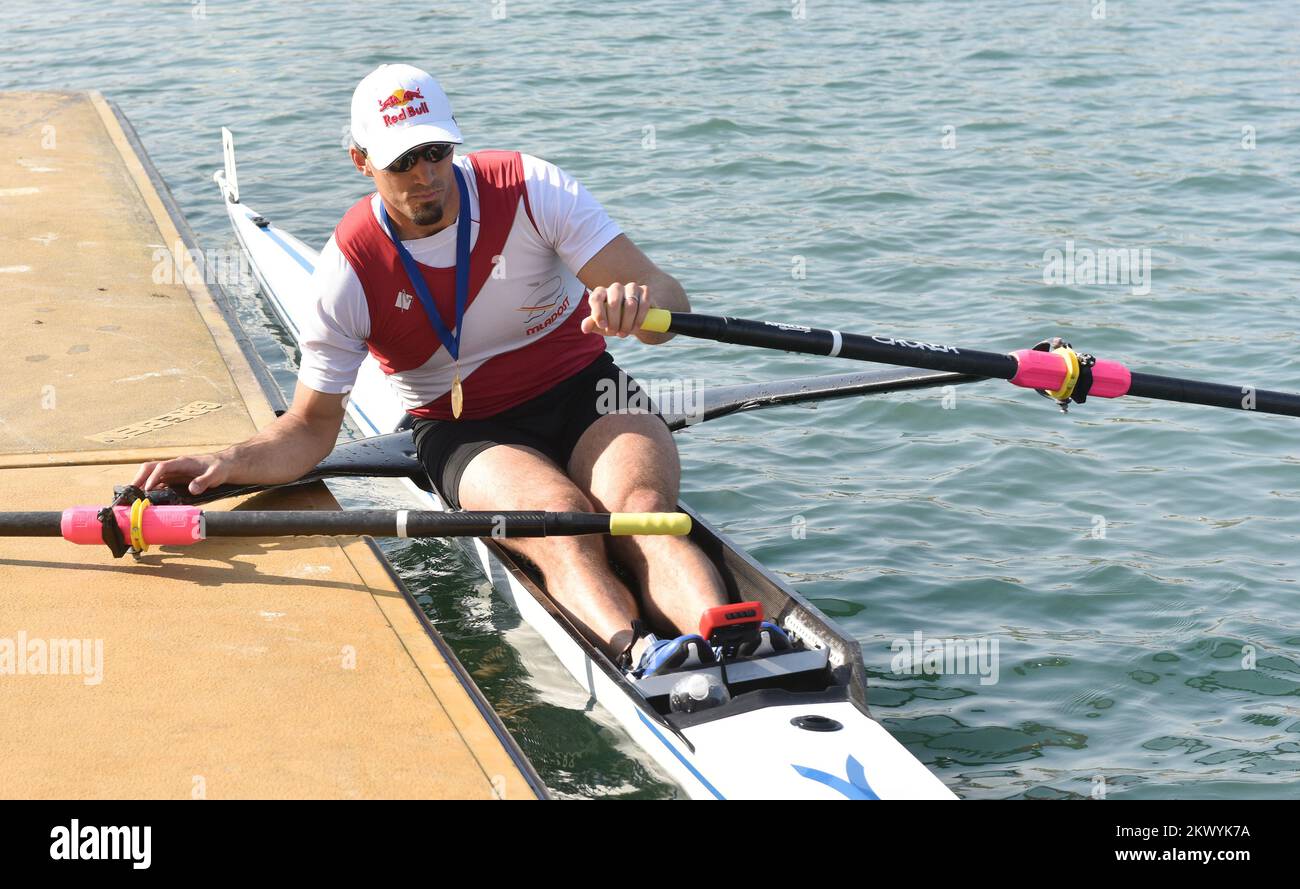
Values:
[(624, 523), (657, 320)]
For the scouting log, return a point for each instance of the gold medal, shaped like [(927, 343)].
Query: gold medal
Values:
[(457, 396)]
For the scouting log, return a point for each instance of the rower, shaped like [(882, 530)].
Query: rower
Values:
[(485, 285)]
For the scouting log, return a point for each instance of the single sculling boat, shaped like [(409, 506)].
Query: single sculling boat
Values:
[(796, 724)]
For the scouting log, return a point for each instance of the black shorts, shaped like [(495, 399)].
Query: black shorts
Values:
[(551, 423)]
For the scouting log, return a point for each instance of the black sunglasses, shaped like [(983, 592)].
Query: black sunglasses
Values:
[(434, 152)]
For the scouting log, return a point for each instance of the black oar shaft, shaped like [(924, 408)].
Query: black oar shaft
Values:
[(30, 524), (390, 523), (1241, 398), (830, 343)]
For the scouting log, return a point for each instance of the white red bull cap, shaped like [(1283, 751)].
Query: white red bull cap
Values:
[(397, 107)]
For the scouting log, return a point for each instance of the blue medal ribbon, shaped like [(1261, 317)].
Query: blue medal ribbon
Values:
[(449, 338)]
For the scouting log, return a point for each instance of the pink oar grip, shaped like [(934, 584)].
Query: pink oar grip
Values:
[(1110, 379), (162, 526), (1044, 370)]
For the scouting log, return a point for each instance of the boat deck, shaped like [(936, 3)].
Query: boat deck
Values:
[(242, 668)]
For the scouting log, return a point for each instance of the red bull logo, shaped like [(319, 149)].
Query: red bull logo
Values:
[(402, 98)]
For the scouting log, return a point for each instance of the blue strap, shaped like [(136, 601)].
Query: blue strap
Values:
[(450, 339)]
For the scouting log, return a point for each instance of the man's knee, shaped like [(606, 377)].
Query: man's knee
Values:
[(565, 499), (550, 498), (644, 498)]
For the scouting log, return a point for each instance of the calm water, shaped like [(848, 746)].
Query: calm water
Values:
[(891, 167)]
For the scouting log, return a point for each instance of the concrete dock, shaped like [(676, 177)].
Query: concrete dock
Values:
[(249, 668)]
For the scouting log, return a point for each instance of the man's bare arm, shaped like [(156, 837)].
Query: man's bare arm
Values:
[(285, 450), (620, 268)]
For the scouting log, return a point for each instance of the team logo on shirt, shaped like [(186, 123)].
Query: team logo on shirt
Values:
[(541, 305), (403, 300)]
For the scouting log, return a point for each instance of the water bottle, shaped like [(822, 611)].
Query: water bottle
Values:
[(697, 691)]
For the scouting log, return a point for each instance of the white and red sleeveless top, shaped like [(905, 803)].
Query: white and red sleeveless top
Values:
[(532, 228)]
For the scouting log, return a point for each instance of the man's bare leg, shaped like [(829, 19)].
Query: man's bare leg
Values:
[(628, 463), (576, 569)]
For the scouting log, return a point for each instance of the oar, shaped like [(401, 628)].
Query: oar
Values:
[(143, 525), (723, 401), (1054, 369)]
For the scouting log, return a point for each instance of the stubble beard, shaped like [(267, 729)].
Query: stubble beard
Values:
[(429, 213)]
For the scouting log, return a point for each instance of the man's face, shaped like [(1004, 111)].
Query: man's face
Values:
[(419, 194)]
